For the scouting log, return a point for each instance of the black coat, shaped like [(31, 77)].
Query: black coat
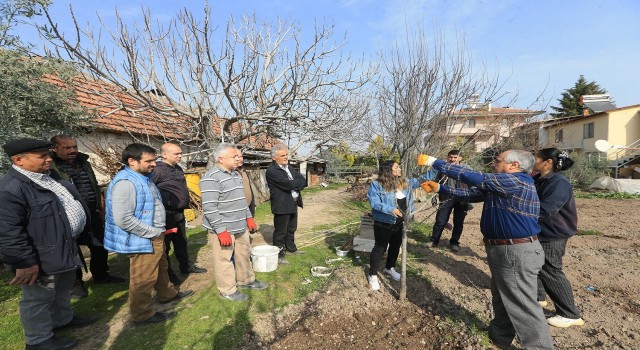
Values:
[(280, 188), (34, 229), (558, 213)]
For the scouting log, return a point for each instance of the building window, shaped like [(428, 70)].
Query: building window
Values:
[(470, 123), (559, 135), (588, 131)]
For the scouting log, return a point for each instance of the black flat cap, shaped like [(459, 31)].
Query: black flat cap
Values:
[(23, 145)]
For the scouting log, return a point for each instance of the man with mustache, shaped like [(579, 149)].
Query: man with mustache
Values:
[(74, 167)]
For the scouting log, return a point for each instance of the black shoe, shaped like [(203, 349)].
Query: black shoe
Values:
[(110, 279), (78, 321), (180, 295), (79, 291), (194, 269), (283, 261), (158, 317), (455, 248), (257, 285), (296, 252), (54, 343)]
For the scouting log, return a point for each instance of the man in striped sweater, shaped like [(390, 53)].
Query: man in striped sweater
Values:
[(228, 219)]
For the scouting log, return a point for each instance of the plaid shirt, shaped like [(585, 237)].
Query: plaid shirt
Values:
[(511, 205), (72, 207)]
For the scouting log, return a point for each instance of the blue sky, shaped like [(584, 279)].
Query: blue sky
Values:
[(542, 45)]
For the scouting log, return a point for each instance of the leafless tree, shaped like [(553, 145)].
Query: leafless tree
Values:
[(255, 78), (422, 83)]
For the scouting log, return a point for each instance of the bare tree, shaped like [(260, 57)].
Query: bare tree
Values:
[(422, 83), (256, 78)]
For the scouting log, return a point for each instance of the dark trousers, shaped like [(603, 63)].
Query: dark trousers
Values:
[(284, 229), (442, 217), (386, 235), (179, 240), (553, 281), (98, 266)]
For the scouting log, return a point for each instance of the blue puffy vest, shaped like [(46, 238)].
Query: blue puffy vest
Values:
[(116, 239)]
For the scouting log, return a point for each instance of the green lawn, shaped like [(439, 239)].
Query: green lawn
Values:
[(204, 320)]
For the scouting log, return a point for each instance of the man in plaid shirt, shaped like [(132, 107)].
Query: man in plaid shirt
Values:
[(509, 225)]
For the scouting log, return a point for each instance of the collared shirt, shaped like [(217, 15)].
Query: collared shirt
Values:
[(294, 193), (511, 205), (223, 203), (123, 203), (72, 207)]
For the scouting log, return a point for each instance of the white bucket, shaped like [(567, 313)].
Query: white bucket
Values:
[(265, 258)]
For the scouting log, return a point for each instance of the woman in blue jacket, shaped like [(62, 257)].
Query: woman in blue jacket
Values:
[(391, 199), (558, 221)]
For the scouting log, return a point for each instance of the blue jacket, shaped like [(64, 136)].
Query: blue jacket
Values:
[(558, 213), (383, 202), (116, 239)]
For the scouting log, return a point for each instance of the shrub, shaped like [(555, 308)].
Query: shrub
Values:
[(584, 171)]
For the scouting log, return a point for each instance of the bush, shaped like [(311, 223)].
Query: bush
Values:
[(584, 171)]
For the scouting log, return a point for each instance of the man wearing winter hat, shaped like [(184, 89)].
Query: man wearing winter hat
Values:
[(40, 217)]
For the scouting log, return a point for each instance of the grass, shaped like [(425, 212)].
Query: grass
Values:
[(590, 233), (204, 320), (605, 195)]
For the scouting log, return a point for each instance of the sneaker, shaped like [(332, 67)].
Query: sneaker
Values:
[(543, 303), (237, 296), (257, 285), (455, 248), (563, 322), (393, 273), (373, 282)]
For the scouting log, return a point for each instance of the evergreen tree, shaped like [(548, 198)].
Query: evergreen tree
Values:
[(570, 101)]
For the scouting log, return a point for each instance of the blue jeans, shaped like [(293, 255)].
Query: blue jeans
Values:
[(514, 279), (46, 305)]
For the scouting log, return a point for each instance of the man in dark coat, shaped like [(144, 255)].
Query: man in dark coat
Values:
[(74, 167), (285, 184), (169, 177), (40, 218)]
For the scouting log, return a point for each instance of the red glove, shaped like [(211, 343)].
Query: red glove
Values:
[(225, 238), (171, 230), (251, 225)]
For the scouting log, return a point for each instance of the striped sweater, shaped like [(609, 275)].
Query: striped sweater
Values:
[(223, 203)]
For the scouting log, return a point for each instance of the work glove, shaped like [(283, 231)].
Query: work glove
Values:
[(225, 238), (251, 225), (170, 231), (430, 186), (426, 160)]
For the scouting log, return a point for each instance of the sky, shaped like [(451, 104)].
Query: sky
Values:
[(541, 47)]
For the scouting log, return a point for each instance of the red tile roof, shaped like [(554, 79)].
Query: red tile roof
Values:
[(113, 109)]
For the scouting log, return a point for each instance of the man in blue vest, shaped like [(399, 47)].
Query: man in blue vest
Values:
[(135, 225)]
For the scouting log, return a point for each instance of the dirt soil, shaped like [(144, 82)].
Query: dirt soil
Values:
[(450, 300)]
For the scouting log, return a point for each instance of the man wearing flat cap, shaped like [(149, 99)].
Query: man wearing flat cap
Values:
[(40, 217)]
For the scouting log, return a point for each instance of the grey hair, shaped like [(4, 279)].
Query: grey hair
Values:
[(221, 147), (524, 158), (278, 147)]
